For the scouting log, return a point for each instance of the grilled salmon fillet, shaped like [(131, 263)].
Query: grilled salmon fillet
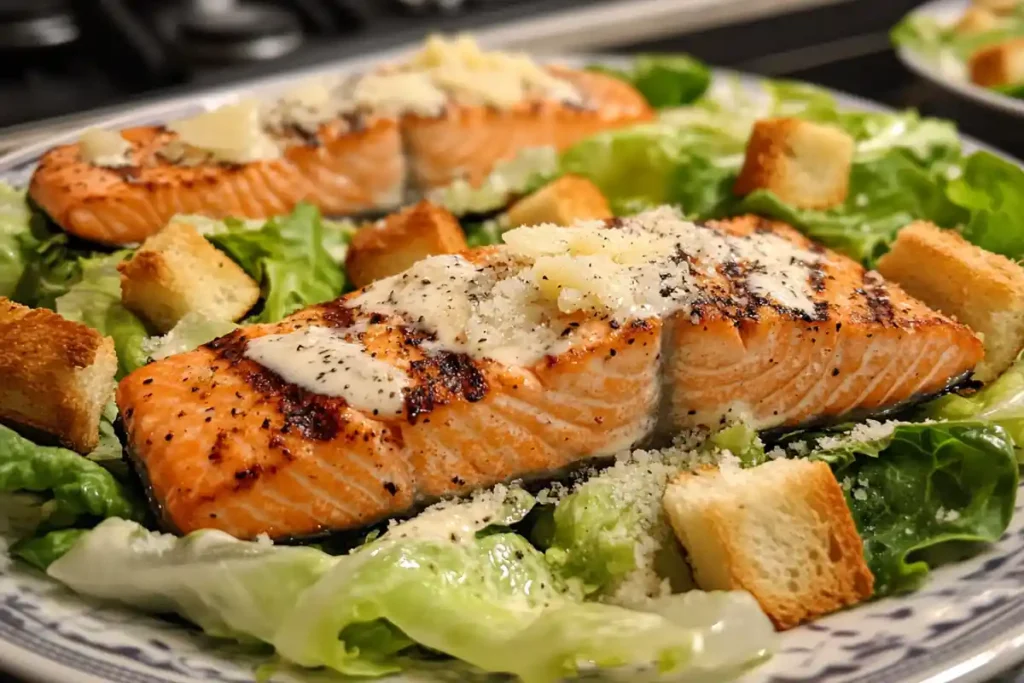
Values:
[(763, 325), (349, 169), (468, 141), (350, 166), (870, 346)]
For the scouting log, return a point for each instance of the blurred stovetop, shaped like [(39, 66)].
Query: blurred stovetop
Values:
[(59, 58)]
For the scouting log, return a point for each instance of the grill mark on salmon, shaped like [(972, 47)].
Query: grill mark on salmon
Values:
[(251, 453)]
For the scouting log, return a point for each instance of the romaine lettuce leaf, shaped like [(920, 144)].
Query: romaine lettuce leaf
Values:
[(191, 332), (494, 603), (51, 267), (921, 487), (649, 165), (42, 551), (95, 300), (886, 193), (289, 259), (15, 237), (74, 490), (991, 190), (488, 599), (611, 535), (230, 588), (1000, 402), (664, 80)]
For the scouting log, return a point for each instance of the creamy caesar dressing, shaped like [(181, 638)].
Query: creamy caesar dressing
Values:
[(516, 308), (483, 311), (322, 361), (104, 148), (456, 521)]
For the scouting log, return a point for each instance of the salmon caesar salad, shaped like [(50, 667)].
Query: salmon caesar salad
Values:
[(982, 43), (476, 361)]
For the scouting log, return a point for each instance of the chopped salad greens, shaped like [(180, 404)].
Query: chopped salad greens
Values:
[(587, 574)]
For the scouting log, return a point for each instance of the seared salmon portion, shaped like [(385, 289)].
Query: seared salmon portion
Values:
[(468, 141), (345, 170), (869, 346), (351, 165), (513, 362), (224, 443)]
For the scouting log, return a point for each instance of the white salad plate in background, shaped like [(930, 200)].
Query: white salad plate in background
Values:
[(966, 624), (951, 74)]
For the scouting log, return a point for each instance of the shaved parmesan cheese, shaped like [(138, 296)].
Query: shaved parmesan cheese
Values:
[(392, 94), (307, 106), (104, 148), (233, 133)]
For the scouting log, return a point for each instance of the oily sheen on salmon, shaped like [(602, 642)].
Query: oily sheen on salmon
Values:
[(562, 345)]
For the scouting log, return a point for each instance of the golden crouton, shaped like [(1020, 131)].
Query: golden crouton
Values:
[(805, 164), (395, 242), (562, 202), (985, 291), (57, 374), (977, 20), (781, 531), (998, 65), (177, 271)]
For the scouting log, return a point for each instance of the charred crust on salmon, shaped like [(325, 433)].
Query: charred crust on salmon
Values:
[(443, 378)]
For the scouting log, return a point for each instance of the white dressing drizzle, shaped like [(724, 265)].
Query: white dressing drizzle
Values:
[(320, 360)]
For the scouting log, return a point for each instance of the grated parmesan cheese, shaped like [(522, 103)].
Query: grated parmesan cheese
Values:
[(514, 308)]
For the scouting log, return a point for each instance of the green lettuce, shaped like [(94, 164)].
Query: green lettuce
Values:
[(487, 597), (991, 191), (95, 300), (1000, 402), (76, 488), (922, 487), (653, 164), (289, 259), (886, 193), (664, 80), (229, 588), (42, 551), (191, 332), (15, 238), (610, 535), (495, 604)]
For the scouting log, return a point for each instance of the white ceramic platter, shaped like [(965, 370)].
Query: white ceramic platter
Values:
[(948, 12), (966, 625)]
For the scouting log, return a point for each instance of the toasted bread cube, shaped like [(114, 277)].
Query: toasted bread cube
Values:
[(977, 20), (996, 6), (57, 374), (781, 531), (177, 271), (985, 291), (562, 202), (805, 164), (1001, 64), (395, 242)]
